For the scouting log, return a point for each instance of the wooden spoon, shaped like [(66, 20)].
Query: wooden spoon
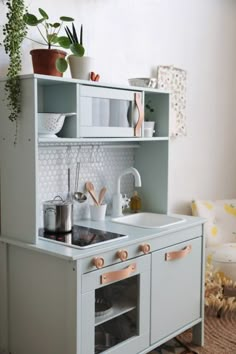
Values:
[(101, 195), (90, 188)]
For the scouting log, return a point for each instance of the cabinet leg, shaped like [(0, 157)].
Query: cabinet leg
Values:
[(198, 334)]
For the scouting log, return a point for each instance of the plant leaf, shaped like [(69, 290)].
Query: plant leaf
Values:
[(41, 20), (52, 38), (43, 13), (74, 34), (56, 25), (77, 49), (61, 65), (30, 20), (64, 42), (66, 19), (81, 35), (69, 34)]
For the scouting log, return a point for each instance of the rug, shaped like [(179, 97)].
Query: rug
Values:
[(219, 336)]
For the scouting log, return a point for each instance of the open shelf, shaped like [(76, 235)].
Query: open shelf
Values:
[(118, 309), (55, 141)]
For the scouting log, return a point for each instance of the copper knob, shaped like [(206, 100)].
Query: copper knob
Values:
[(98, 262), (122, 254), (145, 248)]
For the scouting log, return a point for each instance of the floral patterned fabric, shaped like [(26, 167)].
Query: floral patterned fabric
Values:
[(174, 80), (220, 227)]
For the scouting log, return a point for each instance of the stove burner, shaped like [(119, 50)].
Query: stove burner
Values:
[(81, 236)]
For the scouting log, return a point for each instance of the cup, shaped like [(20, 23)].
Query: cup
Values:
[(149, 129), (148, 132), (98, 212), (149, 124)]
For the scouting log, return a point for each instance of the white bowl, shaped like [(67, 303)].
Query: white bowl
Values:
[(143, 82), (49, 124)]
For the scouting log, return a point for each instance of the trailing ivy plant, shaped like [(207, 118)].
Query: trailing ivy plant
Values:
[(14, 31)]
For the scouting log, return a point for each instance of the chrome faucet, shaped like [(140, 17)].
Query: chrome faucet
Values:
[(117, 197)]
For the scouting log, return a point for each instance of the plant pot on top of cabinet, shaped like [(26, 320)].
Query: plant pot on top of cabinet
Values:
[(44, 61), (80, 67)]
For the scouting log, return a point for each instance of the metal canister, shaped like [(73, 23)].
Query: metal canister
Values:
[(58, 215)]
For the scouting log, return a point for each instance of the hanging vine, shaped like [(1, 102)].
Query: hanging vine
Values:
[(14, 31)]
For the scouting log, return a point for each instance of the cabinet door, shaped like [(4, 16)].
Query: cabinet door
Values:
[(176, 288), (126, 287)]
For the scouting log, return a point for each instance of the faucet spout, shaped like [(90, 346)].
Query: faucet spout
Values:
[(117, 198), (135, 173)]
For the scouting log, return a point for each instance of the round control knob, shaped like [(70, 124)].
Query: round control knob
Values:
[(145, 248), (122, 254), (98, 262)]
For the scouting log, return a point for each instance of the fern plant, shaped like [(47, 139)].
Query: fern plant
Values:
[(14, 31)]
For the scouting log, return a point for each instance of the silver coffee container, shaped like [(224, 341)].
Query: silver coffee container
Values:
[(58, 215)]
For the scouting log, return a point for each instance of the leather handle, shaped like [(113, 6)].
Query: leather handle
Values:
[(118, 274), (137, 129), (171, 256)]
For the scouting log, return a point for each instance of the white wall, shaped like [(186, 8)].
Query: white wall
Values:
[(129, 38)]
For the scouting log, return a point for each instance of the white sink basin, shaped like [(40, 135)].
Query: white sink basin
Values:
[(148, 220)]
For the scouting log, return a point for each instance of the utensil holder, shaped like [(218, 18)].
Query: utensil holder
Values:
[(98, 212)]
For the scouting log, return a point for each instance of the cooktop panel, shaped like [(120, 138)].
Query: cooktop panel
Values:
[(81, 237)]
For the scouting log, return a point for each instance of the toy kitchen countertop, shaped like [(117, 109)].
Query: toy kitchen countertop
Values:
[(125, 236)]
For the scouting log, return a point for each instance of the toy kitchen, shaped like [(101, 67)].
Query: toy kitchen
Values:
[(82, 271)]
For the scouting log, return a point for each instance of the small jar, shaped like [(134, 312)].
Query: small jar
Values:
[(135, 203)]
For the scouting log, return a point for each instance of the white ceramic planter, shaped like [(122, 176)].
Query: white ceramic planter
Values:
[(80, 67)]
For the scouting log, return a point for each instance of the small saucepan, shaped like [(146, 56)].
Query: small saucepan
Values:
[(58, 215)]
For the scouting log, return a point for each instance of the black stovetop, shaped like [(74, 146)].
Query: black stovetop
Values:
[(81, 237)]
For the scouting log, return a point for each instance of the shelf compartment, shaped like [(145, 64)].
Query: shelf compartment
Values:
[(118, 309)]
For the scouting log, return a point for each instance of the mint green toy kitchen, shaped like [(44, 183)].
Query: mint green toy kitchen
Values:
[(142, 282)]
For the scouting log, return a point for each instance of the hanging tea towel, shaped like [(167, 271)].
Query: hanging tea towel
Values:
[(174, 80)]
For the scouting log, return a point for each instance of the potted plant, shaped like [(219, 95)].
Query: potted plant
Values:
[(80, 65), (44, 60), (14, 32)]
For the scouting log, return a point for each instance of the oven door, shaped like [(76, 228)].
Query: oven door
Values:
[(116, 308), (107, 112)]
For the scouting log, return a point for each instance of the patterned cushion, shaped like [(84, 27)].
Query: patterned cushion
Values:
[(221, 220)]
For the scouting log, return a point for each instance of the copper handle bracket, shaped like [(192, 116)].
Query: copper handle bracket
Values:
[(170, 256), (137, 128), (118, 274)]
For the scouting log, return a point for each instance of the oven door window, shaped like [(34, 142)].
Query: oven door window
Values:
[(116, 305)]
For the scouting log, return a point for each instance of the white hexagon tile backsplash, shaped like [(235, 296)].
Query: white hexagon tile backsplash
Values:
[(99, 164)]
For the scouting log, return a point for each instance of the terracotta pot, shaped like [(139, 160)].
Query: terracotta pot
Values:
[(44, 61)]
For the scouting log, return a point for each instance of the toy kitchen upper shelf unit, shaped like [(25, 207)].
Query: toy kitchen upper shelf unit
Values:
[(101, 111), (43, 94)]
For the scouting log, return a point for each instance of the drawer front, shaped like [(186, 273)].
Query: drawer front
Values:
[(95, 280), (176, 288)]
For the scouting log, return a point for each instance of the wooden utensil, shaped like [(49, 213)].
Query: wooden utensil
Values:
[(101, 195), (90, 188)]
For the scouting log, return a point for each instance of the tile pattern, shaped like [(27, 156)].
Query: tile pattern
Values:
[(98, 164)]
